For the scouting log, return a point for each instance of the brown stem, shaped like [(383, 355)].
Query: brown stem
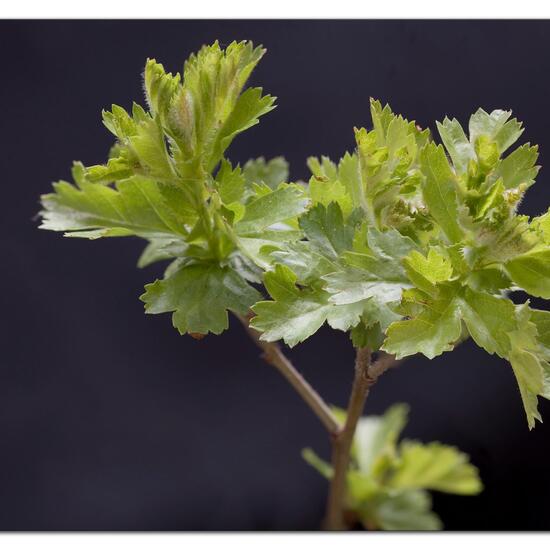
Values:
[(273, 355), (366, 374), (341, 444)]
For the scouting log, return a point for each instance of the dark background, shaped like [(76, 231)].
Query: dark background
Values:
[(111, 421)]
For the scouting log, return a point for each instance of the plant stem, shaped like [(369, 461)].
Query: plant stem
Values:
[(341, 444), (273, 355), (366, 374)]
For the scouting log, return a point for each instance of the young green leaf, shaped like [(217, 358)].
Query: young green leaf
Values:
[(531, 272), (433, 331), (324, 468), (457, 144), (163, 248), (406, 511), (375, 273), (527, 363), (295, 314), (387, 483), (230, 183), (426, 271), (326, 231), (331, 183), (518, 167), (286, 202), (376, 436), (439, 191), (437, 467), (496, 126), (210, 108), (489, 320), (271, 173), (136, 206)]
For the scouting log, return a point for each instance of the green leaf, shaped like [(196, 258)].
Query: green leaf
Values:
[(382, 117), (324, 468), (363, 492), (354, 285), (271, 173), (250, 106), (433, 331), (210, 109), (136, 206), (490, 280), (328, 237), (305, 261), (150, 148), (487, 153), (326, 230), (369, 333), (327, 192), (439, 191), (499, 243), (286, 202), (457, 144), (340, 183), (405, 511), (230, 182), (531, 272), (260, 249), (323, 169), (389, 244), (426, 271), (200, 296), (388, 166), (160, 87), (541, 224), (377, 436), (295, 314), (160, 249), (376, 274), (496, 127), (331, 183), (541, 319), (386, 483), (141, 148), (349, 174), (119, 122), (518, 167), (117, 168), (526, 363), (435, 466), (489, 320)]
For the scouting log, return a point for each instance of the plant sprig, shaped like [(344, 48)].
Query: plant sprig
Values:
[(408, 245)]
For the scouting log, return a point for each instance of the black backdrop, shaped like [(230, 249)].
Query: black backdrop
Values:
[(108, 419)]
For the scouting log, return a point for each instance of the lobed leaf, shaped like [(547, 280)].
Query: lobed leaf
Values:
[(435, 466), (439, 191), (295, 314), (136, 206), (431, 332), (286, 202), (200, 296)]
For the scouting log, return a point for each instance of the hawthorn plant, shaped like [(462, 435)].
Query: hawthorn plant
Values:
[(408, 245)]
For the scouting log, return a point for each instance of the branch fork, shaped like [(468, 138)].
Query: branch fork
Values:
[(366, 374)]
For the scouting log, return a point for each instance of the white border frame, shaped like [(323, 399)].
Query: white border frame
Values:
[(284, 9)]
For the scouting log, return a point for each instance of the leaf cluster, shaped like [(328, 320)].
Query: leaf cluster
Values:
[(414, 246), (388, 481), (169, 182), (409, 245)]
